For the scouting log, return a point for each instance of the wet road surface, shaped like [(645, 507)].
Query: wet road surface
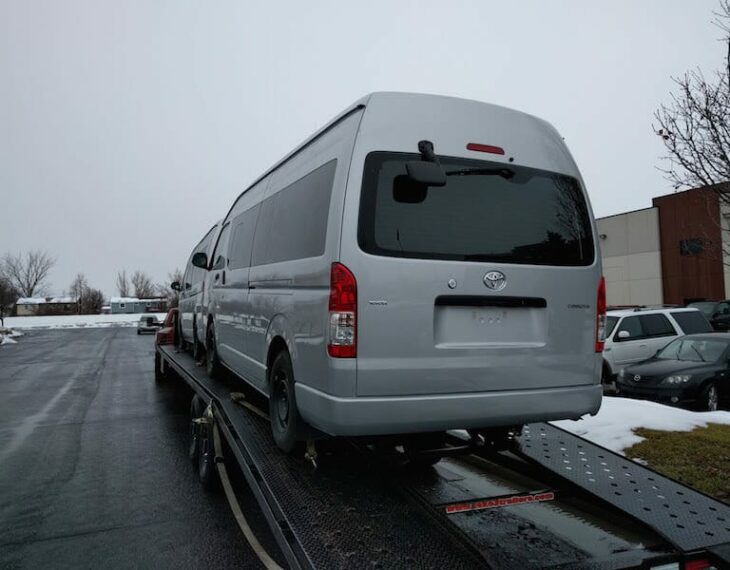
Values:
[(94, 470)]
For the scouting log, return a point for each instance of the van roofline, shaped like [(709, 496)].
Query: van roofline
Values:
[(359, 104)]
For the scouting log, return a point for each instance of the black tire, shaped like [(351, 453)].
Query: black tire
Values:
[(197, 407), (709, 400), (138, 331), (283, 411), (160, 376), (198, 349), (206, 457), (212, 363), (179, 341)]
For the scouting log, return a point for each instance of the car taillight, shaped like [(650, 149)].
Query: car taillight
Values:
[(698, 565), (342, 335), (601, 315)]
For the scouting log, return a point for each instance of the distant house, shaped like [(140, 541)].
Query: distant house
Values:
[(42, 306), (120, 305)]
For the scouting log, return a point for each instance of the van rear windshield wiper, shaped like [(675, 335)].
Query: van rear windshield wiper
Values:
[(505, 173)]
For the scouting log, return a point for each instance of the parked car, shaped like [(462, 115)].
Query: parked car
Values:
[(691, 370), (717, 312), (634, 335), (400, 274), (148, 324), (165, 335), (193, 299)]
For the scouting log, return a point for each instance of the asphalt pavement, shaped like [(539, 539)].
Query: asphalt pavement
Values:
[(94, 471)]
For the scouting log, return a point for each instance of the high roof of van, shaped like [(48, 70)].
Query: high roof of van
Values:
[(397, 104)]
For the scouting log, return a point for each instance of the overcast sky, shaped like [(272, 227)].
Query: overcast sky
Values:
[(128, 128)]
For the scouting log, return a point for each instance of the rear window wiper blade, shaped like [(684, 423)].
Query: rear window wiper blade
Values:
[(505, 173)]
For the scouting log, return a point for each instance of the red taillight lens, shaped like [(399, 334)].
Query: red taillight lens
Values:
[(485, 148), (697, 565), (601, 315), (342, 329)]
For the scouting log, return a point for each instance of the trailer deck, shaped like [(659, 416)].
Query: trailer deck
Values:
[(555, 501)]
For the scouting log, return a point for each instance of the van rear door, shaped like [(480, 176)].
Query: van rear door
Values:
[(487, 283)]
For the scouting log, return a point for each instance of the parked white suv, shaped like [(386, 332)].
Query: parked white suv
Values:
[(633, 335)]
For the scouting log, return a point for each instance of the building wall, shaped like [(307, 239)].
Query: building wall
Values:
[(26, 310), (693, 271), (631, 257)]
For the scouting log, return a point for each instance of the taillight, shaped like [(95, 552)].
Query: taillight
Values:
[(491, 149), (342, 335), (698, 565), (601, 315)]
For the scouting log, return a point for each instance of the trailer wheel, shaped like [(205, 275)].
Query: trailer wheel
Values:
[(197, 408), (283, 411), (206, 457)]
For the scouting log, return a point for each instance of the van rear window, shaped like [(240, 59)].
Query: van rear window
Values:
[(486, 212)]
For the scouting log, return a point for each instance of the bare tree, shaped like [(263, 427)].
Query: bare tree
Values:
[(123, 283), (92, 301), (694, 125), (143, 286), (166, 290), (28, 273), (79, 287), (8, 296)]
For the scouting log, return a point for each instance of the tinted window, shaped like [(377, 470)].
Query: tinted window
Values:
[(705, 307), (219, 256), (485, 212), (242, 238), (692, 322), (632, 326), (610, 325), (293, 222), (694, 349), (656, 325)]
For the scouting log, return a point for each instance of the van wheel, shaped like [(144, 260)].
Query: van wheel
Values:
[(198, 350), (709, 398), (160, 374), (213, 364), (283, 411)]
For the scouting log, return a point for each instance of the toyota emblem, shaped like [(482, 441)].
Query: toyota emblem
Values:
[(637, 377), (495, 280)]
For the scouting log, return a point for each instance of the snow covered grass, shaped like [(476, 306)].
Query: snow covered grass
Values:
[(76, 321), (613, 427)]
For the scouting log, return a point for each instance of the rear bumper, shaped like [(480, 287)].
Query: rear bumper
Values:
[(395, 415)]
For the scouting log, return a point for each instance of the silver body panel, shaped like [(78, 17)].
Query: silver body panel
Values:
[(194, 293), (419, 366)]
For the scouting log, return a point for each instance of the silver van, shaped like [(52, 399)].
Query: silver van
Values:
[(193, 298), (422, 263)]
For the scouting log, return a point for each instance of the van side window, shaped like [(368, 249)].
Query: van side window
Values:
[(219, 255), (242, 238), (293, 222)]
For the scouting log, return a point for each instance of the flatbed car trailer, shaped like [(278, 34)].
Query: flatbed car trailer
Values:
[(554, 500)]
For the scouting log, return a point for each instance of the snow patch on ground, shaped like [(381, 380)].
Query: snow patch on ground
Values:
[(613, 426), (77, 321), (7, 340)]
